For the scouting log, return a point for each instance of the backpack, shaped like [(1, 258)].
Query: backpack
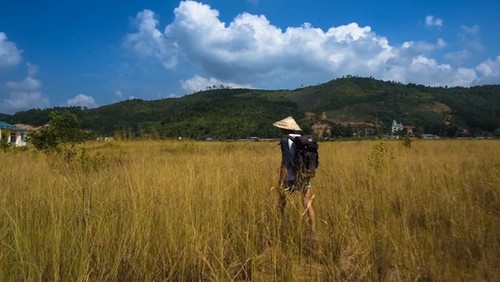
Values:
[(306, 155)]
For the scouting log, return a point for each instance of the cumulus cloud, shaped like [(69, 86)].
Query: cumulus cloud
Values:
[(82, 100), (27, 84), (9, 54), (251, 51), (489, 71), (148, 41), (423, 47), (428, 71), (25, 93), (21, 100), (431, 21), (439, 74)]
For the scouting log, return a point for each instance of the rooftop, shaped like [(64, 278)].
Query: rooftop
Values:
[(4, 125)]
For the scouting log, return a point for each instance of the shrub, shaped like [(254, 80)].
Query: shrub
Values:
[(64, 128)]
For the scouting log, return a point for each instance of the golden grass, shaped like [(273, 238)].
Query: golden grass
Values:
[(190, 211)]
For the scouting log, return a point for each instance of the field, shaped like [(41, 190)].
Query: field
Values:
[(191, 211)]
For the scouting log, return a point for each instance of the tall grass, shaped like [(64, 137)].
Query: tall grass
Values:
[(184, 211)]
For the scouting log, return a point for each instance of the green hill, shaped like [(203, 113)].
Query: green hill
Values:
[(222, 113), (350, 105)]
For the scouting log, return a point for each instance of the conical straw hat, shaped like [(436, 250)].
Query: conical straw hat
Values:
[(287, 123)]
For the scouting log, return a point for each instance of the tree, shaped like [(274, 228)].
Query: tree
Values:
[(63, 128)]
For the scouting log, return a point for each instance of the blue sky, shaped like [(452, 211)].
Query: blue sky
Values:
[(92, 53)]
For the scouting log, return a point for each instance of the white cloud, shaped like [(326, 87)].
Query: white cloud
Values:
[(250, 50), (24, 94), (9, 54), (27, 84), (489, 71), (427, 71), (21, 100), (148, 41), (431, 21), (424, 47), (82, 100)]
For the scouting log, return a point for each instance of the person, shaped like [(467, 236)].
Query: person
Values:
[(290, 180)]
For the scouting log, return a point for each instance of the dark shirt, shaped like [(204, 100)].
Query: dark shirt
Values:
[(287, 156)]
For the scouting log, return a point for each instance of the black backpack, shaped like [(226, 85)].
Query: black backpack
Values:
[(306, 155)]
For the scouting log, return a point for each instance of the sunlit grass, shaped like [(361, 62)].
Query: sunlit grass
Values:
[(184, 211)]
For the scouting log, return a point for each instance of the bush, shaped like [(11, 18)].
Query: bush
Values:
[(4, 145), (64, 128)]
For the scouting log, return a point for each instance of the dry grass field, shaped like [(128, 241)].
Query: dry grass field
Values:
[(199, 211)]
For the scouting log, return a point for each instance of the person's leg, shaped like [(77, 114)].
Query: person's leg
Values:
[(307, 202), (281, 190), (282, 200)]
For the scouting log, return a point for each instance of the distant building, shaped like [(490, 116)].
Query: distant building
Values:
[(12, 134), (396, 127)]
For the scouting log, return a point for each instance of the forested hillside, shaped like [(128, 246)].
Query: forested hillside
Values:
[(346, 106)]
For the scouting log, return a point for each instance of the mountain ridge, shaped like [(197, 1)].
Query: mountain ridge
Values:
[(341, 107)]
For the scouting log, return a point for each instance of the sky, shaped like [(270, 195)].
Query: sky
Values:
[(97, 52)]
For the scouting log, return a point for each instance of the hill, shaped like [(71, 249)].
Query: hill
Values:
[(341, 107), (439, 110)]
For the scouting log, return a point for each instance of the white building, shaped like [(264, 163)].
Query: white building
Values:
[(12, 134), (396, 127)]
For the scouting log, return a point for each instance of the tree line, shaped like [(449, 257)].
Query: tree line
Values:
[(225, 113)]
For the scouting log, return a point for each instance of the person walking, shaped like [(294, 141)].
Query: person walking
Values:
[(290, 178)]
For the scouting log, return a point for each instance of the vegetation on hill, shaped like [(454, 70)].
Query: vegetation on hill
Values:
[(439, 110), (222, 113), (349, 106)]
